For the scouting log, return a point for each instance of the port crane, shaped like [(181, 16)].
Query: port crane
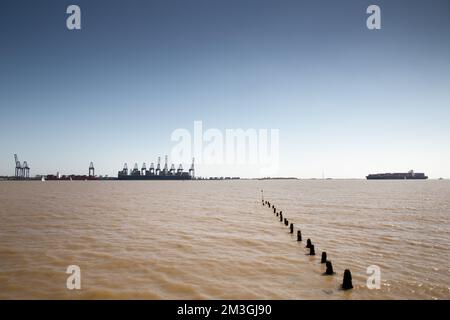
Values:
[(91, 170), (158, 167), (25, 170), (166, 168), (152, 168), (22, 171), (192, 170), (18, 172)]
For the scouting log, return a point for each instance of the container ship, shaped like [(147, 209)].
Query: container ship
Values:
[(397, 176), (156, 173)]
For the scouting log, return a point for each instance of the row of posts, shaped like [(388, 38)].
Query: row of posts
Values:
[(347, 280)]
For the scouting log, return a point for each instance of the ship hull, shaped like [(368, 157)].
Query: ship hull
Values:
[(397, 176)]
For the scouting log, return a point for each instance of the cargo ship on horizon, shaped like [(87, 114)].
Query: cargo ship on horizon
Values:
[(156, 173), (410, 175)]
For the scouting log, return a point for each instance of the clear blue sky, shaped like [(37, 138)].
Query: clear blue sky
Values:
[(348, 101)]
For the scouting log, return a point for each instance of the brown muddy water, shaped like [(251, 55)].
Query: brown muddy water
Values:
[(214, 239)]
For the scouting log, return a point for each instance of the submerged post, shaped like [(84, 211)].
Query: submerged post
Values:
[(281, 217), (312, 252), (274, 210), (308, 243), (347, 282), (286, 222), (324, 257), (329, 270), (299, 235), (292, 228)]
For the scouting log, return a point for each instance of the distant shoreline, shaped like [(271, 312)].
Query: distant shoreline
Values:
[(12, 179)]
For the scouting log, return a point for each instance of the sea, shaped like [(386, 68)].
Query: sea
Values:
[(215, 239)]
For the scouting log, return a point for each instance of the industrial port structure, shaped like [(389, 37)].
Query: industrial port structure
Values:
[(75, 177), (156, 173), (22, 171)]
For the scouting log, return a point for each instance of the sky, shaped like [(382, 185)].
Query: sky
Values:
[(347, 101)]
